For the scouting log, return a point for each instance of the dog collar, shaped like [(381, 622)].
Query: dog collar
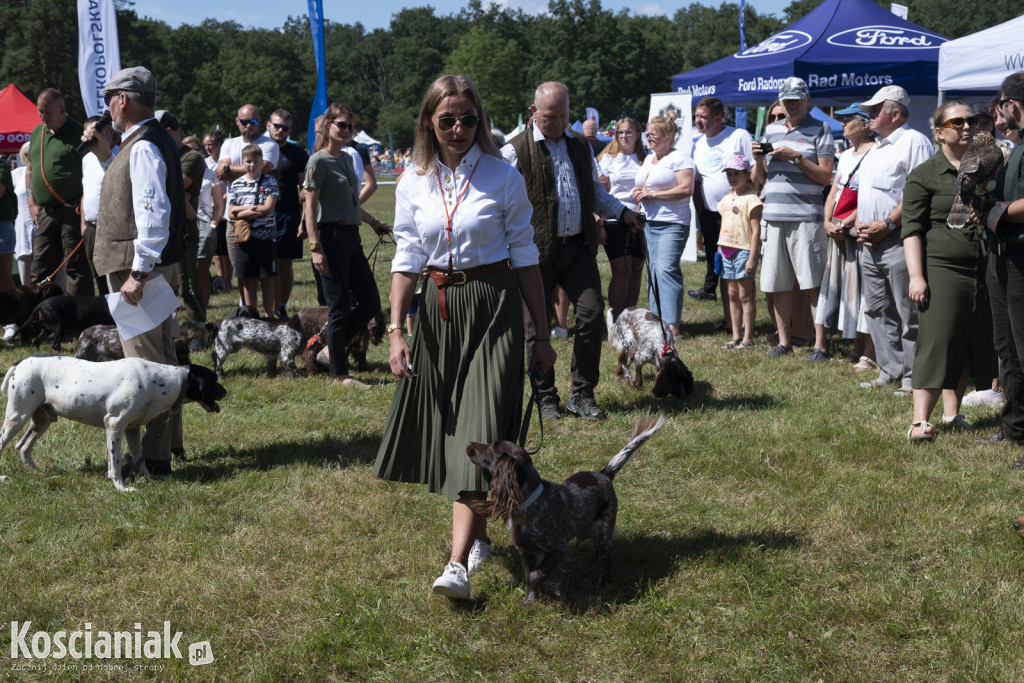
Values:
[(521, 510)]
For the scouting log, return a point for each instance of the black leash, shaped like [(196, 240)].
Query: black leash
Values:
[(534, 376), (382, 239)]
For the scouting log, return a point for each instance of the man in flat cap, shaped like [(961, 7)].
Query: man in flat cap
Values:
[(891, 316), (141, 223)]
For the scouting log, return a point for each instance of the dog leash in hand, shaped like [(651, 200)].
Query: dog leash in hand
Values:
[(534, 376), (381, 239), (50, 278)]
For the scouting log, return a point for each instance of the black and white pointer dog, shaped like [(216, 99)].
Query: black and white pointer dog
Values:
[(543, 517), (641, 337), (120, 396)]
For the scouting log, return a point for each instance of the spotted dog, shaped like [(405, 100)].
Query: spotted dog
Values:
[(275, 340), (101, 343), (119, 396), (64, 317), (640, 337), (543, 517)]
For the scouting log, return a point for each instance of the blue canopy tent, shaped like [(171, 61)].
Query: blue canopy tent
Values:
[(844, 49)]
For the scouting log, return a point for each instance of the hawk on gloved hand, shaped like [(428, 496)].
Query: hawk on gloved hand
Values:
[(980, 164)]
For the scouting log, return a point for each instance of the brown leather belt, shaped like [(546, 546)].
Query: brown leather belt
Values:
[(443, 279)]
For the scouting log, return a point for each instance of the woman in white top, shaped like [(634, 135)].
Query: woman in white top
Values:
[(663, 188), (463, 213), (24, 227), (618, 164), (840, 308)]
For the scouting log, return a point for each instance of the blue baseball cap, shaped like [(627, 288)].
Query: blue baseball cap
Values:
[(853, 110)]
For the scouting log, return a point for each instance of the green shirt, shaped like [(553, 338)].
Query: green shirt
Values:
[(927, 199), (192, 166), (335, 177), (8, 201), (60, 162)]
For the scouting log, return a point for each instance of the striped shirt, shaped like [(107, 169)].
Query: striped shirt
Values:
[(789, 195)]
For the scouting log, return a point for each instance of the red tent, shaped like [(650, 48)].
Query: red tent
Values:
[(18, 117)]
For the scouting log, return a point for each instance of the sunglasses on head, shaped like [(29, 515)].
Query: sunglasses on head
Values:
[(467, 121), (959, 121), (249, 122), (280, 126)]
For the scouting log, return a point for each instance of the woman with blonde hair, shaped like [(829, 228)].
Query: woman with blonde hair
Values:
[(663, 187), (947, 280), (618, 164), (333, 215), (462, 213)]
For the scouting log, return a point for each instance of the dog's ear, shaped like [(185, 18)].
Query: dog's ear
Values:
[(203, 388)]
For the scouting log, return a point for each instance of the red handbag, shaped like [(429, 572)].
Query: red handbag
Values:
[(846, 203)]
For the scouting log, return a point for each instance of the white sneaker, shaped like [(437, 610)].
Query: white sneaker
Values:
[(9, 331), (478, 554), (984, 397), (454, 583), (559, 332)]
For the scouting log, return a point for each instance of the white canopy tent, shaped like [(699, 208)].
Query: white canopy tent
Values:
[(362, 138), (982, 60)]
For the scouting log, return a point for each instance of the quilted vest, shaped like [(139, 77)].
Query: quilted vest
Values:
[(534, 162)]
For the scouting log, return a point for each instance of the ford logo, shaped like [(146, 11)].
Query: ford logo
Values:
[(886, 38), (780, 42)]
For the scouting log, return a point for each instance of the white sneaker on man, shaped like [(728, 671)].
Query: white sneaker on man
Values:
[(984, 397), (454, 583), (478, 554), (559, 332)]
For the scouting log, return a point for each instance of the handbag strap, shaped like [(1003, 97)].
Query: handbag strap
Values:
[(849, 178)]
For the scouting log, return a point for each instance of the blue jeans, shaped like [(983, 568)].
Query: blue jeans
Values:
[(665, 244)]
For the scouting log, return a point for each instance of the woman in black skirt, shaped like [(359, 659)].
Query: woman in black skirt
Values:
[(463, 213)]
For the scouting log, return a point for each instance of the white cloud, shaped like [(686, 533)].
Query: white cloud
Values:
[(531, 7), (649, 9)]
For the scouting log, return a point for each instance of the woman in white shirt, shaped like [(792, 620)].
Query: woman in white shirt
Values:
[(24, 227), (663, 188), (618, 164), (463, 213)]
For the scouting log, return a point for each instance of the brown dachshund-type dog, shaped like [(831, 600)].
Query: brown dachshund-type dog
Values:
[(543, 517)]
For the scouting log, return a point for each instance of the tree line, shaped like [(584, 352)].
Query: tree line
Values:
[(610, 61)]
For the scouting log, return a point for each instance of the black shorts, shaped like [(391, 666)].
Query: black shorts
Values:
[(289, 246), (256, 258), (622, 241)]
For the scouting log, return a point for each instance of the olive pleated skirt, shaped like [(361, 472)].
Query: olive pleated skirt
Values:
[(468, 386)]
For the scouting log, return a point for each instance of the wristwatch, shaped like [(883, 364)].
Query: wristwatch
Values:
[(314, 247), (799, 158), (139, 276), (392, 327), (227, 168), (890, 224)]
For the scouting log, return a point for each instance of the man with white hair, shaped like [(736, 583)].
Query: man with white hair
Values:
[(563, 186), (891, 316)]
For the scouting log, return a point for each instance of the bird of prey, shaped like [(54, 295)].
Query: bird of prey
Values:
[(980, 164)]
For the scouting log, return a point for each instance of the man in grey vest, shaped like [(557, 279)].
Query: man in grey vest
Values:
[(561, 181), (141, 224)]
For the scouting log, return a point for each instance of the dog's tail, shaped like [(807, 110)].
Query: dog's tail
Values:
[(609, 320), (644, 429)]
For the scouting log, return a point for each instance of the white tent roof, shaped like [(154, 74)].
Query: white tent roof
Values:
[(362, 138), (982, 60)]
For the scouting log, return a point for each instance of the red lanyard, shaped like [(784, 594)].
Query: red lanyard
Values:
[(450, 214)]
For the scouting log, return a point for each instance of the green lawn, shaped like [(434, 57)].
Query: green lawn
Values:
[(779, 527)]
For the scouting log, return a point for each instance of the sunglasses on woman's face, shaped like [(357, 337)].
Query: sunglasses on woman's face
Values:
[(342, 125), (960, 121), (772, 118), (467, 121)]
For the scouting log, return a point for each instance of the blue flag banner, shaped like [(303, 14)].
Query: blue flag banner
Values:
[(741, 112), (319, 106)]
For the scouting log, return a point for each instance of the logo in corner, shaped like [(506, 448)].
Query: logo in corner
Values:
[(200, 653), (886, 38), (780, 42)]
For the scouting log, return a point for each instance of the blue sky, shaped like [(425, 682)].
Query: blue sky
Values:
[(273, 13)]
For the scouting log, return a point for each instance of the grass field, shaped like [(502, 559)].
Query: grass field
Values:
[(779, 527)]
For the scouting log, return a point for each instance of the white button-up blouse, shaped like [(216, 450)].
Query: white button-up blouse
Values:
[(490, 223)]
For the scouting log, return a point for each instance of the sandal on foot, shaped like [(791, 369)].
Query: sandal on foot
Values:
[(864, 364), (927, 431), (731, 344), (902, 391), (873, 384), (957, 423), (742, 346)]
